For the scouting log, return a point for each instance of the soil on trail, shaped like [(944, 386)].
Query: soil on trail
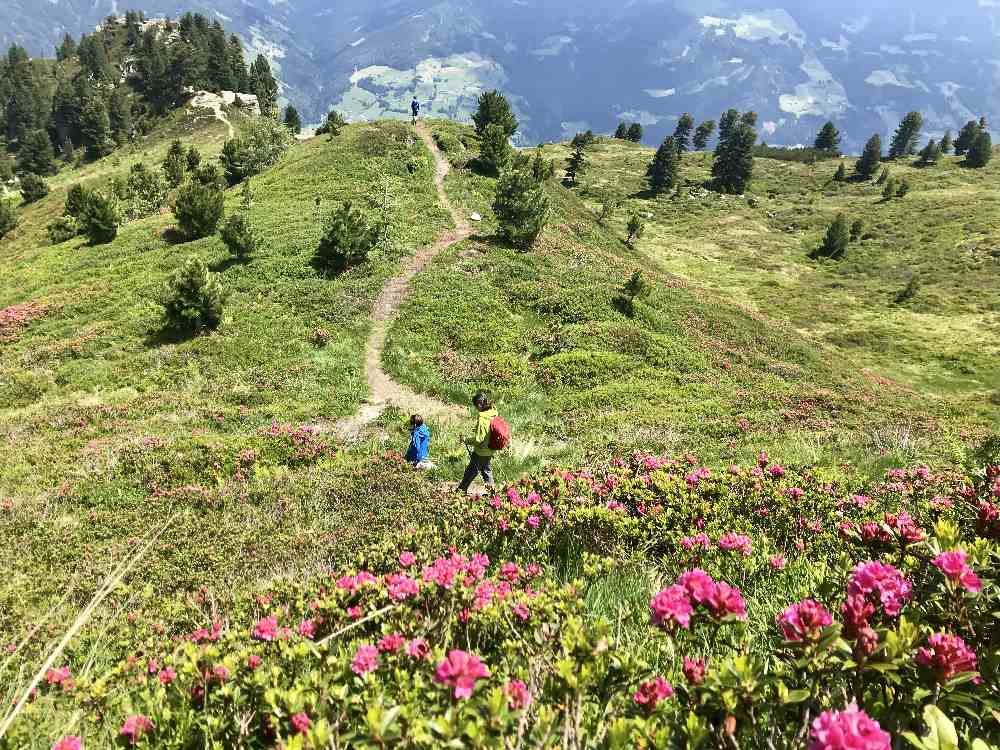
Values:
[(383, 390)]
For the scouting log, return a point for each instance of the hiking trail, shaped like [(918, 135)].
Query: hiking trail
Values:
[(383, 390), (214, 102)]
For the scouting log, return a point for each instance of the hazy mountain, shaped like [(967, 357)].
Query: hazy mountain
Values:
[(573, 64)]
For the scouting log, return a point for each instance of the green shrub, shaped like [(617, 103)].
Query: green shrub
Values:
[(175, 164), (33, 187), (495, 152), (521, 208), (347, 240), (260, 145), (62, 229), (100, 217), (8, 217), (193, 159), (145, 192), (634, 289), (333, 124), (199, 209), (583, 369), (193, 299), (76, 199), (239, 235)]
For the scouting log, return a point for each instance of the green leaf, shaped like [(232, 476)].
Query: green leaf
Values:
[(942, 732)]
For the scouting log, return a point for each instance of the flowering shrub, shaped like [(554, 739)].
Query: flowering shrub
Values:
[(837, 616)]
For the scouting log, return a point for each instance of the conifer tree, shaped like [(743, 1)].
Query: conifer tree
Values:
[(219, 71), (99, 218), (94, 58), (193, 299), (664, 169), (966, 137), (332, 125), (621, 132), (727, 122), (292, 119), (493, 107), (8, 217), (120, 115), (521, 207), (95, 127), (586, 139), (871, 157), (347, 240), (634, 289), (838, 237), (889, 189), (175, 164), (907, 135), (635, 229), (828, 138), (841, 173), (262, 84), (33, 187), (682, 133), (25, 105), (239, 233), (199, 209), (946, 142), (66, 103), (66, 49), (495, 151), (732, 168), (931, 153), (237, 65), (857, 229), (981, 150), (576, 164), (703, 134), (634, 132), (35, 154)]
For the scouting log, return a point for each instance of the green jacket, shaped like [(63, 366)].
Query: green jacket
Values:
[(480, 444)]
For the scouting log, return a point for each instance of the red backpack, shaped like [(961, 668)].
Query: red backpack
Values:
[(499, 434)]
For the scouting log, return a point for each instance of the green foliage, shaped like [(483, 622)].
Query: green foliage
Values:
[(193, 158), (576, 164), (260, 145), (621, 132), (682, 133), (586, 139), (521, 208), (634, 133), (635, 228), (8, 217), (62, 229), (609, 204), (239, 233), (902, 188), (828, 138), (193, 299), (946, 142), (348, 239), (857, 229), (175, 164), (100, 217), (841, 174), (702, 135), (292, 120), (837, 239), (199, 209), (663, 172), (870, 158), (967, 137), (332, 125), (732, 168), (883, 176), (890, 188), (801, 155), (76, 199), (145, 192), (95, 127), (35, 154), (263, 84), (931, 153), (980, 151), (907, 135), (493, 108), (495, 152), (33, 187), (909, 291), (636, 288)]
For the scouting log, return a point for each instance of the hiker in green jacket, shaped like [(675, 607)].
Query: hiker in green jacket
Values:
[(478, 446)]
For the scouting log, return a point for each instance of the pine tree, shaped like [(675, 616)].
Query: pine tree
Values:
[(732, 168), (99, 218), (76, 198), (838, 237), (159, 81), (495, 151), (634, 133), (981, 150), (889, 189), (347, 240), (95, 127), (493, 107), (634, 289), (586, 139), (828, 138), (94, 59), (682, 133), (635, 229), (332, 125), (521, 208), (292, 119), (946, 142), (841, 173), (35, 154), (193, 159), (664, 170), (219, 69), (576, 164), (871, 157), (262, 84), (904, 141), (966, 137), (66, 110), (175, 164), (145, 192), (120, 115), (727, 122), (703, 134), (199, 209), (621, 132), (66, 49), (193, 299), (749, 118), (237, 65), (931, 153), (25, 105), (8, 217), (239, 233), (33, 187)]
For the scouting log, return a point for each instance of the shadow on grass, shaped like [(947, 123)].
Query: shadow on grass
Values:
[(174, 236), (224, 264)]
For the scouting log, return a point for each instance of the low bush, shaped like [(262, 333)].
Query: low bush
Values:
[(8, 217), (100, 217), (193, 299), (199, 209), (33, 187), (347, 240), (62, 229)]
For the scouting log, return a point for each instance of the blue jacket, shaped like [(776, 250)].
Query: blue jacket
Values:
[(415, 106), (420, 441)]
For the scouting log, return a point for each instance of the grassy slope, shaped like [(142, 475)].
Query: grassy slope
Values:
[(541, 330), (115, 428)]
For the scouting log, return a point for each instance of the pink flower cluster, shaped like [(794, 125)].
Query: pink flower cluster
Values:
[(881, 584), (653, 691), (674, 605), (446, 571), (401, 587), (957, 570), (69, 742), (947, 655), (518, 695), (61, 677), (733, 542), (804, 621), (355, 582), (135, 727), (850, 729), (698, 540), (365, 660), (694, 670), (460, 671)]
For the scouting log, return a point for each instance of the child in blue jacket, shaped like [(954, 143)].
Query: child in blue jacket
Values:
[(420, 442)]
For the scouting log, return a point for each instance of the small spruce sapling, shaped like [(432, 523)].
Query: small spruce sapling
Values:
[(347, 240), (635, 228), (634, 289), (193, 299), (841, 173), (33, 187), (239, 233), (199, 209), (521, 208), (838, 236)]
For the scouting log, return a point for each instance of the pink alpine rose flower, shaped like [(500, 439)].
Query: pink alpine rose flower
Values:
[(365, 660), (253, 661), (135, 727), (804, 621), (266, 629), (849, 729), (418, 648), (672, 607), (778, 562), (733, 542), (391, 643), (401, 587), (694, 670), (166, 676), (699, 585), (651, 692), (301, 723), (880, 583), (307, 629), (69, 742), (518, 695), (460, 671), (955, 568), (407, 559), (947, 655), (727, 600)]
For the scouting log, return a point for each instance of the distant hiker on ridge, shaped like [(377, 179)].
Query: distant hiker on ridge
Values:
[(492, 435), (420, 441), (415, 108)]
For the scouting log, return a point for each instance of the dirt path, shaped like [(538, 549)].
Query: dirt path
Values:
[(384, 391), (207, 100)]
